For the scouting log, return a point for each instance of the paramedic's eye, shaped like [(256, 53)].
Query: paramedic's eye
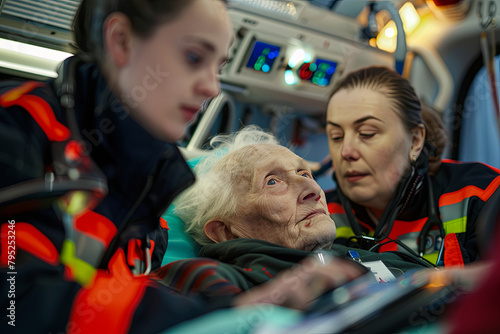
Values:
[(336, 137), (193, 58), (367, 135), (271, 182)]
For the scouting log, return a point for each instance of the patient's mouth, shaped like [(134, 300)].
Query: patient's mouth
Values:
[(312, 215)]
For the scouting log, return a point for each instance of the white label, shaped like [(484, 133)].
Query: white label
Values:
[(380, 271)]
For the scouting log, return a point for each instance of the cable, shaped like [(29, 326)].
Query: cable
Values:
[(408, 249)]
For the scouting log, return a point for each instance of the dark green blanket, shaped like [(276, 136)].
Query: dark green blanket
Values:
[(232, 266)]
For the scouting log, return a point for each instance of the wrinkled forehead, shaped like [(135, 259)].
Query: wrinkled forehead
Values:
[(250, 160)]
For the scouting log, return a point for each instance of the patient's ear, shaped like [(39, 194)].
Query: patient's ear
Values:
[(217, 231)]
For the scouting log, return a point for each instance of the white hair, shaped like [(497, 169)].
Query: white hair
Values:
[(213, 195)]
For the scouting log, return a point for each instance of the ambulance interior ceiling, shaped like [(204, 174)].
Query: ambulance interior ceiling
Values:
[(287, 55), (329, 34)]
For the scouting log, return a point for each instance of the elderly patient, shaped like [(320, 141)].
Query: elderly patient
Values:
[(257, 210)]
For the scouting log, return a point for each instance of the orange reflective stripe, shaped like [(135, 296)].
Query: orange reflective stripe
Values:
[(469, 191), (452, 252), (450, 161), (17, 92), (163, 223), (38, 108), (335, 208), (108, 305), (96, 226), (31, 240), (399, 229)]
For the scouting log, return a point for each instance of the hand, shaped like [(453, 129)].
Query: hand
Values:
[(467, 277), (298, 286)]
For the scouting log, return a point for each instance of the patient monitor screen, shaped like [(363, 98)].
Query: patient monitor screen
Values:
[(263, 56), (319, 72)]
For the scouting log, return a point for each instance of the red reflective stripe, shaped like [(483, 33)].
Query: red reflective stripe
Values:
[(31, 240), (335, 208), (134, 251), (469, 191), (452, 252), (38, 108), (400, 228), (108, 305), (163, 223), (96, 226), (450, 161)]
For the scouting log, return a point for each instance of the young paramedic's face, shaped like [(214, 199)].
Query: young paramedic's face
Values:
[(171, 73), (281, 203), (368, 144)]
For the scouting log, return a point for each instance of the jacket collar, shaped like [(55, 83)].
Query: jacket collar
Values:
[(127, 154)]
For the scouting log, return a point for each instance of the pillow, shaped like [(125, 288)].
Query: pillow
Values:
[(180, 245)]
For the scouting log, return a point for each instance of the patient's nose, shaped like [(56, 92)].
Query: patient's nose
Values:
[(311, 191)]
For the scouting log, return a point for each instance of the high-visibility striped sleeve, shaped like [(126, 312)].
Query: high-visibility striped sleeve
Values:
[(96, 226), (109, 304), (469, 191), (31, 240)]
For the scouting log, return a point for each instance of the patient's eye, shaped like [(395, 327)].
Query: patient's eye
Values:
[(305, 174), (271, 182)]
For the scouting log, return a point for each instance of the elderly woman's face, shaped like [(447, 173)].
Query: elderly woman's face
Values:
[(280, 201), (369, 146)]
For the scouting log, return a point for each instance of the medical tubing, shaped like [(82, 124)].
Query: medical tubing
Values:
[(411, 255)]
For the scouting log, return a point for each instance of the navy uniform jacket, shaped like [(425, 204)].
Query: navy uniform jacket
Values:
[(84, 274)]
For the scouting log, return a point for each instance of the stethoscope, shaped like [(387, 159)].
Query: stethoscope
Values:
[(382, 232)]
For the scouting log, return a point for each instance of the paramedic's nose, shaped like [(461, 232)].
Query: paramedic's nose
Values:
[(311, 191), (349, 150), (209, 85)]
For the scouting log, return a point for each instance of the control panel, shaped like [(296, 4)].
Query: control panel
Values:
[(295, 59)]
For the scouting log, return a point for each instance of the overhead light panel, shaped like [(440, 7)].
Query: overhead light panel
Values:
[(386, 39), (289, 9), (29, 58), (410, 17)]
